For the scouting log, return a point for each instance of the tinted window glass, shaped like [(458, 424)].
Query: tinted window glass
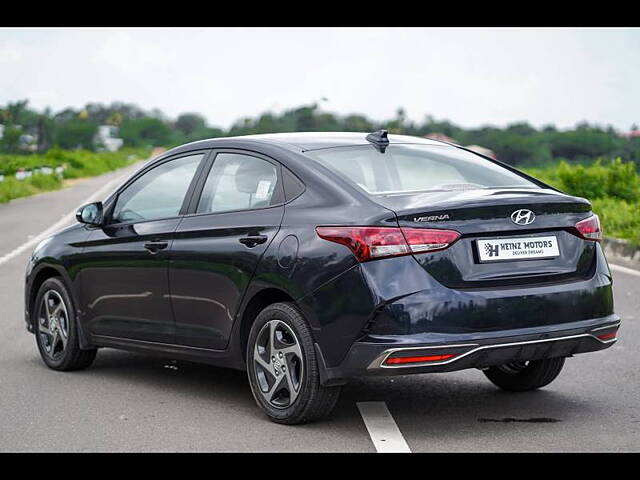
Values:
[(407, 168), (238, 182), (292, 184), (159, 193)]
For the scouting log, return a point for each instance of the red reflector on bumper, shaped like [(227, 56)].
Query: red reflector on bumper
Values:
[(429, 358), (607, 336)]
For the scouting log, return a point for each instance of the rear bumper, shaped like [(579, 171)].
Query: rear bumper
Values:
[(460, 351)]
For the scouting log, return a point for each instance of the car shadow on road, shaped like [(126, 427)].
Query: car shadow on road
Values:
[(201, 382), (456, 401), (467, 399), (156, 371)]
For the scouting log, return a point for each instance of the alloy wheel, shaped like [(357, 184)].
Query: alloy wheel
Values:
[(53, 324), (278, 364)]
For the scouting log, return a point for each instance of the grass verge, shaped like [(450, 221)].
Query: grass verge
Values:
[(76, 163)]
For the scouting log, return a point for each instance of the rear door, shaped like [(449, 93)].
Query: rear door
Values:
[(234, 215)]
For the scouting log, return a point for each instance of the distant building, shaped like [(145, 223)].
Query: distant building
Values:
[(28, 142), (629, 134), (441, 137), (157, 151), (482, 150), (106, 138)]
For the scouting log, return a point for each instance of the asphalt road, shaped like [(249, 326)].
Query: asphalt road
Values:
[(133, 402)]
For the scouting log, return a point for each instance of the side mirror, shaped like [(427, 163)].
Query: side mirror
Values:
[(91, 214)]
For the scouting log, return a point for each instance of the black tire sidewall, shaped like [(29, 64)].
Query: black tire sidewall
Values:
[(310, 377), (72, 343), (537, 374)]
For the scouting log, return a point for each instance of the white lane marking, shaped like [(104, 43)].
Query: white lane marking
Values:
[(56, 226), (620, 268), (383, 430)]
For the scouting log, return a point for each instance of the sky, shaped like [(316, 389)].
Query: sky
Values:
[(472, 76)]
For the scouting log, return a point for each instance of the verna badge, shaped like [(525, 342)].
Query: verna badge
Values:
[(523, 217)]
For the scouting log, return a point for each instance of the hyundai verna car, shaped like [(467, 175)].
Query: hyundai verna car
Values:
[(308, 259)]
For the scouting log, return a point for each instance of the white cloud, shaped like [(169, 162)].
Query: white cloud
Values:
[(470, 76)]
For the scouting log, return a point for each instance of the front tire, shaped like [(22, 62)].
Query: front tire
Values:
[(525, 376), (54, 323), (283, 368)]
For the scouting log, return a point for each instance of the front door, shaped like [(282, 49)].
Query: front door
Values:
[(124, 267)]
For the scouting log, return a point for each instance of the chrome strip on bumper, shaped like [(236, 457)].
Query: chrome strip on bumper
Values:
[(379, 361)]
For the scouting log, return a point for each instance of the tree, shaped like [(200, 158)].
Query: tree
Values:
[(45, 130), (115, 119), (357, 123), (76, 134), (10, 141), (145, 132), (521, 128), (188, 123), (14, 112)]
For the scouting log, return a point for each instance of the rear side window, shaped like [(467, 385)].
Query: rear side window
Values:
[(416, 168), (239, 182), (158, 193), (293, 186)]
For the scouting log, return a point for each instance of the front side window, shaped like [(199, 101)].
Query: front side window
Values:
[(238, 182), (416, 168), (159, 193)]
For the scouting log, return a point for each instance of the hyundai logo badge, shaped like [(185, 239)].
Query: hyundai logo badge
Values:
[(523, 217)]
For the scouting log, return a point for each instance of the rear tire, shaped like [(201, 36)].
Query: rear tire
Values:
[(283, 370), (525, 376), (54, 323)]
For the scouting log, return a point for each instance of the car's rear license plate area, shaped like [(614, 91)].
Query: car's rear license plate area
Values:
[(520, 248)]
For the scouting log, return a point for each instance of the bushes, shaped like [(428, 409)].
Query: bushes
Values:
[(11, 188), (77, 163), (603, 179), (612, 186), (620, 219)]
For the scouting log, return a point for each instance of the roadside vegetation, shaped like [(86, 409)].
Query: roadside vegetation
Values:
[(563, 158), (75, 164), (612, 186), (518, 144)]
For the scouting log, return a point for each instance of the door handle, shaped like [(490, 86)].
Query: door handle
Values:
[(253, 240), (154, 247)]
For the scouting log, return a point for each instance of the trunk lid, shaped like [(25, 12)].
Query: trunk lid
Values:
[(484, 216)]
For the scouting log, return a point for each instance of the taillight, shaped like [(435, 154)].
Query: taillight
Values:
[(607, 336), (429, 240), (589, 228), (421, 359), (369, 243)]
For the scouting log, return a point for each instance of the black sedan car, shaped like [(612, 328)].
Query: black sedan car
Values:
[(308, 259)]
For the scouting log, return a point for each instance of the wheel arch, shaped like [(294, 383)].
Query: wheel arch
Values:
[(258, 302), (41, 274), (44, 273)]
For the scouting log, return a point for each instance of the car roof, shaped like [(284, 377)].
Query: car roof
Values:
[(305, 141), (314, 140)]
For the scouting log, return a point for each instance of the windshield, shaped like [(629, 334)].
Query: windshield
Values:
[(407, 168)]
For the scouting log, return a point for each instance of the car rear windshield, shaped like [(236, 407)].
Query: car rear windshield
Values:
[(405, 168)]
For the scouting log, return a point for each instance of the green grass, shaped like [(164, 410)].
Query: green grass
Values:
[(12, 188), (612, 187), (620, 219), (77, 163)]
